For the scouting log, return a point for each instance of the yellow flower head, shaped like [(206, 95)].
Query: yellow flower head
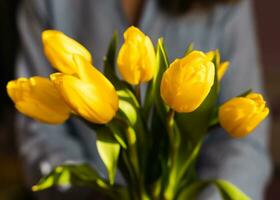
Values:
[(90, 94), (187, 82), (59, 49), (222, 67), (136, 59), (241, 115), (37, 98)]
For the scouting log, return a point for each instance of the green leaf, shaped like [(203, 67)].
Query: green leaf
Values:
[(109, 61), (192, 190), (129, 114), (190, 161), (109, 65), (71, 174), (229, 191), (158, 151), (108, 149), (118, 130), (155, 110), (127, 95), (153, 96), (214, 119), (129, 111), (244, 94), (189, 49)]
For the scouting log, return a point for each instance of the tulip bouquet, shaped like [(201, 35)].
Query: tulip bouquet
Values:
[(151, 136)]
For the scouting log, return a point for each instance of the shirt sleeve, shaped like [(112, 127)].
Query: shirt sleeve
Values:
[(41, 146), (244, 162)]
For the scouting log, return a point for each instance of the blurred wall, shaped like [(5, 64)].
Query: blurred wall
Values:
[(268, 16)]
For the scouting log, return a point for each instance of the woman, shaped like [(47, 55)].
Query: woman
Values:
[(209, 24)]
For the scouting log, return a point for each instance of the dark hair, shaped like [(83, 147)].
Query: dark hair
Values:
[(178, 7)]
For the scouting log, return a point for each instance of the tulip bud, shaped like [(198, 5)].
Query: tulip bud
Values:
[(187, 82), (241, 115), (89, 94), (136, 59), (221, 67), (37, 98), (59, 49)]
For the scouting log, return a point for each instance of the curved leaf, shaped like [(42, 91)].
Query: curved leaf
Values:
[(118, 130), (109, 65), (129, 113), (193, 190), (245, 93), (108, 149), (153, 92), (109, 61), (189, 49), (229, 191), (71, 174)]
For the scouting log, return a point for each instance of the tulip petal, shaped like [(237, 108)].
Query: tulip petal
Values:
[(128, 63), (85, 98), (40, 112), (136, 59), (60, 60), (37, 98), (241, 115), (60, 40), (88, 73), (187, 82), (60, 48)]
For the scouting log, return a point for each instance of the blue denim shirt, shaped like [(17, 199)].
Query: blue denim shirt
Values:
[(229, 27)]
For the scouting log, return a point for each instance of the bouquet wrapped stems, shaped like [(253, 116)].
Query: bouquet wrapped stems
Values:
[(154, 141)]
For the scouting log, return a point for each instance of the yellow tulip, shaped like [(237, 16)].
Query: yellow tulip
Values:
[(241, 115), (222, 67), (187, 82), (37, 98), (136, 59), (59, 49), (89, 94)]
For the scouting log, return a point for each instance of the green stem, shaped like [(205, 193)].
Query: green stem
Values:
[(132, 183), (140, 187), (192, 157), (133, 156), (173, 153), (170, 131), (138, 93)]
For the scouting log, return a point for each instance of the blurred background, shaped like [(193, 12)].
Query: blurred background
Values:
[(11, 178)]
